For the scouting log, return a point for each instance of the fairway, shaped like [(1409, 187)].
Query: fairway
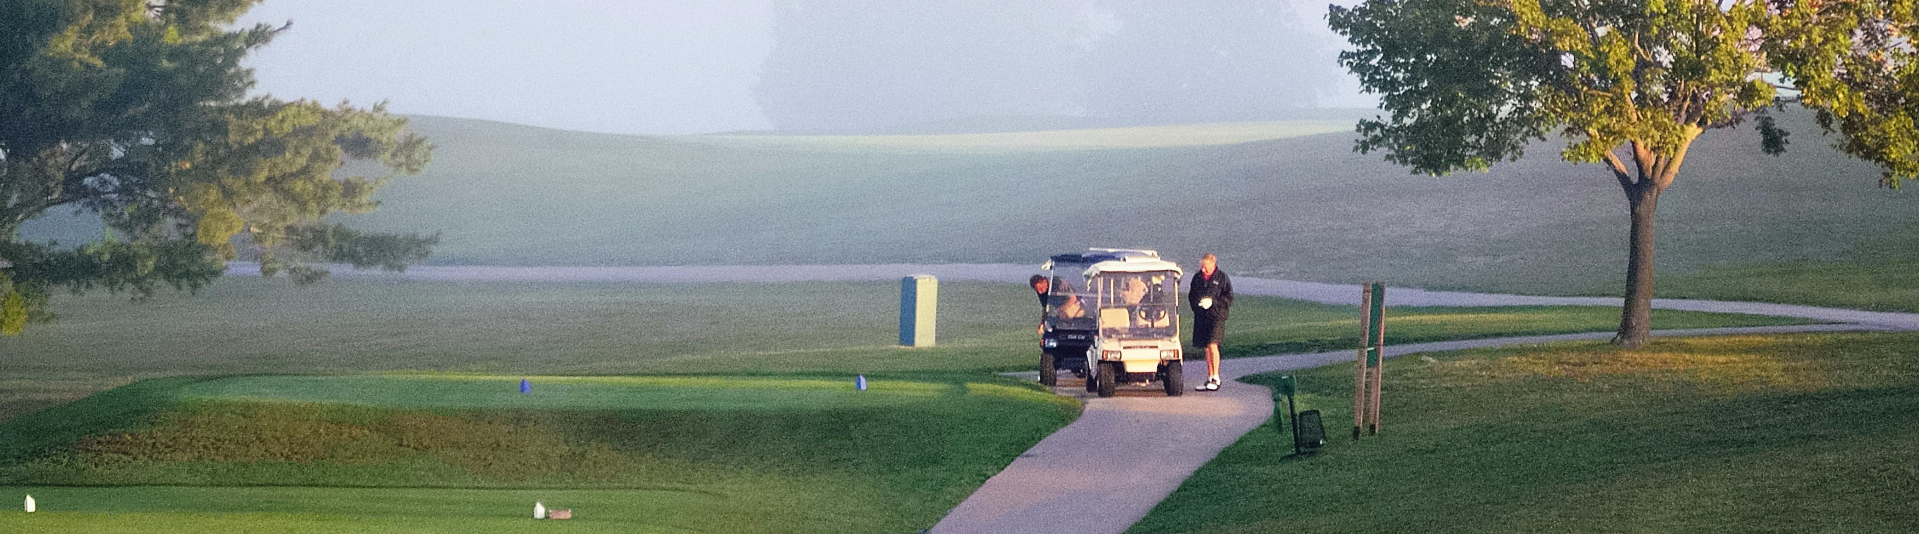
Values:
[(261, 326), (1790, 433)]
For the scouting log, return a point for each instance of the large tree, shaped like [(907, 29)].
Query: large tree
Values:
[(1629, 84), (137, 111)]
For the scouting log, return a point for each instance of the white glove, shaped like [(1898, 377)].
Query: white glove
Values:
[(1206, 303)]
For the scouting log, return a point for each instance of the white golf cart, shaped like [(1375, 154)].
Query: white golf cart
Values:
[(1117, 310)]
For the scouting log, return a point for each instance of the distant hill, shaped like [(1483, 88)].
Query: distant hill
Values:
[(1286, 199), (1037, 123)]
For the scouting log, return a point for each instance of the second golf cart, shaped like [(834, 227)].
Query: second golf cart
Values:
[(1112, 316)]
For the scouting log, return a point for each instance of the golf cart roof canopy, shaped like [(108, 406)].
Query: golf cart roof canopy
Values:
[(1097, 255), (1117, 260), (1134, 266)]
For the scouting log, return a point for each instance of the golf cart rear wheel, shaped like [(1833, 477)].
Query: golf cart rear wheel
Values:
[(1175, 379), (1048, 374), (1108, 378)]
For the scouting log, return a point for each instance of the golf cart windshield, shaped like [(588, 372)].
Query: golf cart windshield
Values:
[(1069, 304), (1141, 305)]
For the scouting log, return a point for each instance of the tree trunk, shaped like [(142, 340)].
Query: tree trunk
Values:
[(1635, 320)]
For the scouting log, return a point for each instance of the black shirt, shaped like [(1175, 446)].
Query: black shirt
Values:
[(1219, 287)]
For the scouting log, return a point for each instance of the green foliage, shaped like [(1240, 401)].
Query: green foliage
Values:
[(1460, 85), (340, 244), (1470, 82), (135, 112), (1853, 62)]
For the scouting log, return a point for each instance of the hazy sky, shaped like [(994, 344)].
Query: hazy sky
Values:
[(651, 66), (642, 66)]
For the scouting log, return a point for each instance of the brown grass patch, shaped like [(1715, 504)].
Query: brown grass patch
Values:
[(1730, 364)]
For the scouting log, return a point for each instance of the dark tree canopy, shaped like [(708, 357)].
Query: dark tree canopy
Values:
[(137, 112), (1629, 84)]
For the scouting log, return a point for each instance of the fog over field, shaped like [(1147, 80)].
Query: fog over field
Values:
[(702, 66)]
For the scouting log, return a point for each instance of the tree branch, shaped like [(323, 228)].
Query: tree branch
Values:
[(1619, 170)]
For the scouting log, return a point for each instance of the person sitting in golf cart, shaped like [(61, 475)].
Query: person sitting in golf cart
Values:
[(1070, 309)]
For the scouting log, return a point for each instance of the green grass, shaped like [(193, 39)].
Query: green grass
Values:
[(1276, 326), (742, 454), (730, 403), (1738, 434), (254, 326), (1870, 285), (332, 510)]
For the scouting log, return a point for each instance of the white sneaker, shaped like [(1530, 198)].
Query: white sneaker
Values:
[(1211, 384)]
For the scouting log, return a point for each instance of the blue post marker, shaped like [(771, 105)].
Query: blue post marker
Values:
[(525, 387), (860, 383)]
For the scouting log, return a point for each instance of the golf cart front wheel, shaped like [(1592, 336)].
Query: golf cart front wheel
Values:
[(1048, 374), (1175, 379), (1093, 371), (1108, 378)]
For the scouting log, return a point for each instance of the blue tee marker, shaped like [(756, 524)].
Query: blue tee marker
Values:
[(860, 383), (525, 387)]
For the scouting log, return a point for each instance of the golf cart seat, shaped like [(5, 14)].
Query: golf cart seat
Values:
[(1115, 318)]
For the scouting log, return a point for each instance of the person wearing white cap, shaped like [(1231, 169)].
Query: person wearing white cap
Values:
[(1211, 295)]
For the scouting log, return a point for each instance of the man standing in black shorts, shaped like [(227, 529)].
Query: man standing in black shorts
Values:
[(1211, 295)]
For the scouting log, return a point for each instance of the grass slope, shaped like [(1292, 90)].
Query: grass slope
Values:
[(1804, 433), (1284, 199), (736, 454), (1274, 199)]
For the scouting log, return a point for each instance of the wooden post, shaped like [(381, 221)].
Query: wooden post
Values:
[(1379, 347), (1370, 369), (1360, 383)]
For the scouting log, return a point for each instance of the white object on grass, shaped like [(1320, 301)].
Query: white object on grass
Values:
[(30, 505), (1206, 302), (539, 510)]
